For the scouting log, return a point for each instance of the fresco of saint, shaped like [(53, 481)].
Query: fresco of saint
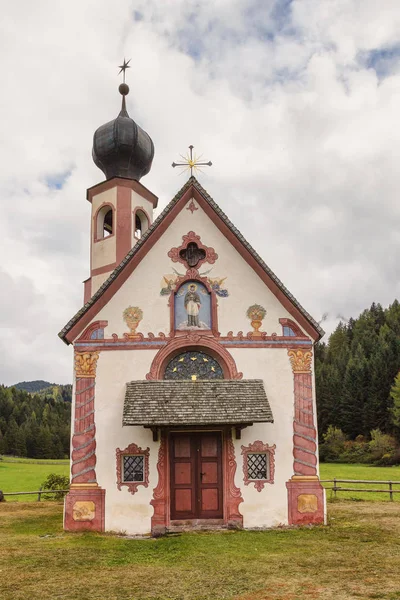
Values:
[(192, 306)]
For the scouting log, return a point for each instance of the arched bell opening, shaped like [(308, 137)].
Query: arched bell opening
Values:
[(141, 223), (104, 222)]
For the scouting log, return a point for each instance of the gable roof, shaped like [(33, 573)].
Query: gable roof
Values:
[(191, 189)]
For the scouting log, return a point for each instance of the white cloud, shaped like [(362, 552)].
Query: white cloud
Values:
[(283, 97)]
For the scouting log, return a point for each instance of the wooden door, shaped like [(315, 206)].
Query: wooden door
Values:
[(196, 475)]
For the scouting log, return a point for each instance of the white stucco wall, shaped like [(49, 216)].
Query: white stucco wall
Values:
[(269, 507), (124, 511)]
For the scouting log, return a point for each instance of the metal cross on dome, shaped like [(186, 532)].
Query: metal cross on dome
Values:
[(191, 161), (124, 67)]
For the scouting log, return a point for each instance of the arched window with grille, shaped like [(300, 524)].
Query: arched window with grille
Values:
[(193, 364)]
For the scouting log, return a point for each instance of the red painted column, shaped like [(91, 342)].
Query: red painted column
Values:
[(84, 504), (123, 230), (306, 500), (160, 501), (233, 494)]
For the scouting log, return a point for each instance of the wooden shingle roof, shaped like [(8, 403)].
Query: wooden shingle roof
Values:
[(201, 402)]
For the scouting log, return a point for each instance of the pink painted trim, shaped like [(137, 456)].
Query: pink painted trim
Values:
[(132, 184), (233, 495), (192, 207), (210, 254), (95, 218), (83, 457), (95, 495), (132, 450), (298, 513), (193, 341), (293, 326), (161, 493), (124, 223), (92, 327), (259, 447), (87, 290), (304, 432), (263, 336)]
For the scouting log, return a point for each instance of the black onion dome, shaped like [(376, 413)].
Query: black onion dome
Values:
[(121, 148)]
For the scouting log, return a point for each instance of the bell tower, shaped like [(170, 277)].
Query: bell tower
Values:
[(122, 207)]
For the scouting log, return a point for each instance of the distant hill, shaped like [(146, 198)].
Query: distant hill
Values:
[(46, 390), (33, 386)]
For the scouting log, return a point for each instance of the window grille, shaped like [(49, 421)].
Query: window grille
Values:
[(133, 468), (257, 466)]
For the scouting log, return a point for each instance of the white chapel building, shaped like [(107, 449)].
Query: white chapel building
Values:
[(194, 395)]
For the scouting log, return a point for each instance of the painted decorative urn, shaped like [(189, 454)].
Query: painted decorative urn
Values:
[(132, 317), (256, 314)]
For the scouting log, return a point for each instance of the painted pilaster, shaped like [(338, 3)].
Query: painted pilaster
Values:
[(306, 499), (160, 501), (84, 504)]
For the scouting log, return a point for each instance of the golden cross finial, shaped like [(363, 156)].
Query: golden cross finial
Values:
[(191, 161), (124, 67)]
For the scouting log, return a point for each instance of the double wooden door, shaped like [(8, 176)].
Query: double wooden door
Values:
[(196, 475)]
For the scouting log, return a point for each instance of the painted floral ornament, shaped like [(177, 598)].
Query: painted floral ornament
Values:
[(256, 314), (132, 317)]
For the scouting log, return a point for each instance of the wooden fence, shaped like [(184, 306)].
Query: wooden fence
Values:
[(39, 493), (335, 488)]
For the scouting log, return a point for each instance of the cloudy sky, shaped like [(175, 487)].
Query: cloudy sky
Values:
[(295, 102)]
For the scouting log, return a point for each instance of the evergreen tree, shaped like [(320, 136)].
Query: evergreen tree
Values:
[(395, 395), (12, 438)]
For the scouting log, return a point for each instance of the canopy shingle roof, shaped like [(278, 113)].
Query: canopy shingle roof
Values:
[(201, 402), (134, 253)]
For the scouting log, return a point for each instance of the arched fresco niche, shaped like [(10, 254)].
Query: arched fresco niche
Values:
[(192, 307)]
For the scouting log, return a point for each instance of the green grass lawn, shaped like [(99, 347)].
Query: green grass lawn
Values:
[(366, 472), (356, 557), (27, 475)]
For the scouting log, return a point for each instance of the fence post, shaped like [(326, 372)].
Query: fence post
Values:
[(334, 487), (391, 491), (39, 494)]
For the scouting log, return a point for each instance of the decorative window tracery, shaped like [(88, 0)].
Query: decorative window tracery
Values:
[(258, 464), (132, 467), (193, 364), (192, 252)]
